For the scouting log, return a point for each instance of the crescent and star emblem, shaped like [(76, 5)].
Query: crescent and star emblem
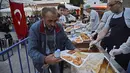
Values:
[(18, 11)]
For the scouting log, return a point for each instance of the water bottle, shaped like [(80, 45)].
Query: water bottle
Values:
[(57, 53)]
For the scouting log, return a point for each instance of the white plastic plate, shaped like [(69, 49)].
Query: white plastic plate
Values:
[(65, 53)]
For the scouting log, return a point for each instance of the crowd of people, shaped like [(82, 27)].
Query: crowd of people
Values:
[(5, 22), (47, 35)]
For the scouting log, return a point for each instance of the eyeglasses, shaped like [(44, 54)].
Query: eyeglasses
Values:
[(111, 5)]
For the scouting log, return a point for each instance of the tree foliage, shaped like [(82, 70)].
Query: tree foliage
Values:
[(76, 2)]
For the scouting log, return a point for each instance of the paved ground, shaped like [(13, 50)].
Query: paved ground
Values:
[(4, 66)]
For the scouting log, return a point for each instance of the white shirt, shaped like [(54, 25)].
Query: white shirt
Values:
[(62, 19), (125, 47), (105, 16), (126, 16), (71, 17), (104, 20), (94, 16)]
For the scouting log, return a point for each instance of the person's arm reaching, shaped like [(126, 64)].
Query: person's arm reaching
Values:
[(102, 33), (100, 27), (123, 49)]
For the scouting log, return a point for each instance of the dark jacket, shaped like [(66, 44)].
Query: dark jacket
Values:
[(36, 42)]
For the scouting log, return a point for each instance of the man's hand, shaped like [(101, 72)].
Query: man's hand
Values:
[(50, 59), (115, 52)]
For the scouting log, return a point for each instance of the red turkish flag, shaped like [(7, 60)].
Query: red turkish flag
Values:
[(19, 19)]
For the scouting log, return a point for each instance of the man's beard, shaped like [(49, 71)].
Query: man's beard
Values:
[(51, 28), (116, 11)]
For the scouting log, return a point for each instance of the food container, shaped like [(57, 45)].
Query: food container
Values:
[(85, 37), (73, 59), (84, 47), (78, 39), (95, 63), (111, 68)]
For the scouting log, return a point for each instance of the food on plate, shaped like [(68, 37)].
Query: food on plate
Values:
[(71, 51), (84, 36), (68, 29), (78, 40), (69, 58), (79, 54), (77, 61), (74, 59), (76, 27)]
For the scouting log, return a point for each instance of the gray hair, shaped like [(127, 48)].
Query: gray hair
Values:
[(48, 9)]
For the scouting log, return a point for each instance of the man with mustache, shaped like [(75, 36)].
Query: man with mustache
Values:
[(45, 37)]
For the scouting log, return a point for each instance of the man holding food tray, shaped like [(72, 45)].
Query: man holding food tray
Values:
[(45, 37)]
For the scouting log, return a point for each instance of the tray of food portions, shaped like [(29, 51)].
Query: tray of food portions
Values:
[(78, 39), (69, 29), (76, 59), (111, 68), (96, 63), (85, 37)]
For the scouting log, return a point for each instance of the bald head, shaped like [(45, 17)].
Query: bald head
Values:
[(115, 2), (115, 6)]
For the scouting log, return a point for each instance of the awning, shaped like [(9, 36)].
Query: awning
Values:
[(71, 7)]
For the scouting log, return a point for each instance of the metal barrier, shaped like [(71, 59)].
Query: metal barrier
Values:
[(16, 65), (4, 43)]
